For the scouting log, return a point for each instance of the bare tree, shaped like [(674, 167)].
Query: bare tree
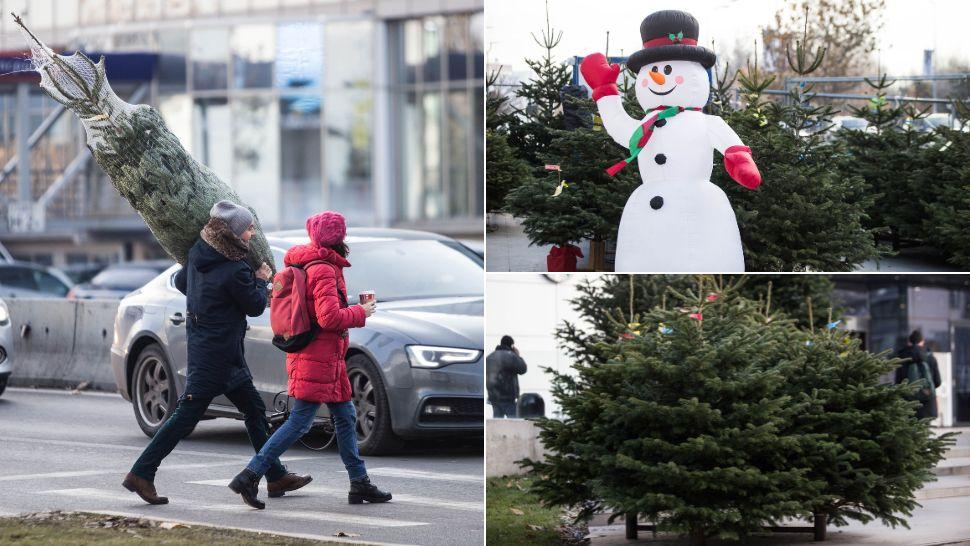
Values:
[(846, 29)]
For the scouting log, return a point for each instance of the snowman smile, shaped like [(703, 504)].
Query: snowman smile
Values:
[(667, 92)]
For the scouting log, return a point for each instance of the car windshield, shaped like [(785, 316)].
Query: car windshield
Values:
[(126, 278), (411, 269)]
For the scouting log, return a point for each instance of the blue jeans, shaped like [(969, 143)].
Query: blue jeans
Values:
[(299, 423), (188, 413)]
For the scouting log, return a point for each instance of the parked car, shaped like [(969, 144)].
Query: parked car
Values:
[(6, 344), (83, 272), (118, 280), (27, 280), (416, 367)]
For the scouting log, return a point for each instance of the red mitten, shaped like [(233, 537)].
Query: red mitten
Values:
[(600, 75), (741, 167)]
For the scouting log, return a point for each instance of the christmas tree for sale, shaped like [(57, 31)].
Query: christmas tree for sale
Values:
[(948, 220), (599, 300), (811, 216), (505, 171), (891, 154), (577, 200), (541, 111), (863, 440), (145, 161), (684, 422)]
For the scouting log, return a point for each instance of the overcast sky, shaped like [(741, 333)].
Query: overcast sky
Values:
[(910, 26)]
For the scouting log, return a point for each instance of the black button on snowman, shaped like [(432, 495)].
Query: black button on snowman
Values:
[(697, 230)]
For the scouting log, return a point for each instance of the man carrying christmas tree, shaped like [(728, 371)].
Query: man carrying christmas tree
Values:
[(921, 369), (503, 367), (221, 290)]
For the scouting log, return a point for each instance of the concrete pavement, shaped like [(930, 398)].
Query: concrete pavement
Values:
[(70, 452)]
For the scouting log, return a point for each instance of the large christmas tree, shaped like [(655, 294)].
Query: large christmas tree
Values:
[(714, 414), (683, 421)]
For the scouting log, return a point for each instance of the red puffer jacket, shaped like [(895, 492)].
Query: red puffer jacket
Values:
[(318, 373)]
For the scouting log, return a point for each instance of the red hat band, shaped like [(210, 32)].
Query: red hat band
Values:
[(670, 39)]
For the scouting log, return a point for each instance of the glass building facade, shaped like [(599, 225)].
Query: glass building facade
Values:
[(884, 309), (372, 108)]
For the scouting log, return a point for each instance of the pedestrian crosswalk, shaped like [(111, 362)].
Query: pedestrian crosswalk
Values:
[(105, 498), (399, 498)]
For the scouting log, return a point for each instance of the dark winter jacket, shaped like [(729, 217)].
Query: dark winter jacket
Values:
[(916, 354), (318, 372), (502, 369), (220, 293)]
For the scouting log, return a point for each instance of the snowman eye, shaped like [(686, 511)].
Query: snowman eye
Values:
[(655, 69), (668, 70)]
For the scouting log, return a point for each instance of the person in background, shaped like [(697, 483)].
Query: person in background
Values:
[(221, 290), (318, 373), (920, 367), (503, 368)]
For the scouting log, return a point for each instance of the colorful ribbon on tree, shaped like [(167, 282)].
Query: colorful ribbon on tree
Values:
[(643, 133)]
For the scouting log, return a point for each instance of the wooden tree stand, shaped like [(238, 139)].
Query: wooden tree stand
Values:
[(818, 529)]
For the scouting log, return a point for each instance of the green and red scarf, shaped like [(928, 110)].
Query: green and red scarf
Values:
[(643, 133)]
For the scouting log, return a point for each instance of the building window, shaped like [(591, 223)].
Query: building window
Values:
[(210, 58), (436, 95), (348, 106), (252, 56)]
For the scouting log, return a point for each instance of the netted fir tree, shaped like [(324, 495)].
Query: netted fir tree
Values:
[(808, 214), (891, 155), (865, 444), (948, 163), (598, 299), (144, 160), (683, 422)]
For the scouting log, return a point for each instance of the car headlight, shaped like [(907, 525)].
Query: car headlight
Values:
[(423, 356), (4, 314)]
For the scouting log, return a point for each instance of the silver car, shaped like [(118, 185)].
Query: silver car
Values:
[(6, 344), (416, 368)]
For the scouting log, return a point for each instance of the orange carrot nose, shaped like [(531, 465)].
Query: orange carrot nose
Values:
[(658, 77)]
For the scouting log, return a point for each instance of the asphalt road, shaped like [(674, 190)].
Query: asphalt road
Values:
[(71, 452)]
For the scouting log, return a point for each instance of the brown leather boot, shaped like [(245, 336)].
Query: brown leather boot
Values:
[(289, 482), (143, 488)]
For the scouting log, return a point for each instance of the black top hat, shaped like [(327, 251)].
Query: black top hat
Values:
[(670, 35)]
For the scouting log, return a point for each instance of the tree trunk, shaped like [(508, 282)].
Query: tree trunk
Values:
[(821, 522), (597, 255), (631, 525)]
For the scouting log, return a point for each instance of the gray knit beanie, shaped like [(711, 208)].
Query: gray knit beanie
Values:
[(238, 218)]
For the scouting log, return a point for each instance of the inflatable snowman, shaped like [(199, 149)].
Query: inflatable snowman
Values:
[(676, 220)]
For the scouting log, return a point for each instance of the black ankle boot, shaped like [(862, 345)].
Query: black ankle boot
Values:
[(246, 483), (362, 490)]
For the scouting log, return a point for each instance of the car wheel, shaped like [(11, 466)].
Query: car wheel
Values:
[(374, 434), (3, 385), (153, 393)]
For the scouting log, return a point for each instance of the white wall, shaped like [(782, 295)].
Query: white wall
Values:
[(529, 307)]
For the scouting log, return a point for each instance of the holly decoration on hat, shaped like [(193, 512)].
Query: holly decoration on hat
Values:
[(676, 38)]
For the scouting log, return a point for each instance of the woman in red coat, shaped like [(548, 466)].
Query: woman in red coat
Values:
[(317, 373)]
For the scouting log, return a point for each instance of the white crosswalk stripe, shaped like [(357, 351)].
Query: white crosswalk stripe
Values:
[(399, 498), (305, 515), (393, 472), (330, 517)]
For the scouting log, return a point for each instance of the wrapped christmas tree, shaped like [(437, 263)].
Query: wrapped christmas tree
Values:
[(145, 162)]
